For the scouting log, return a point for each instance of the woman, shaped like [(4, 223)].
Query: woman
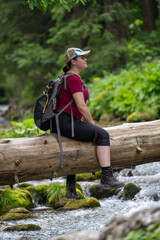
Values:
[(76, 60)]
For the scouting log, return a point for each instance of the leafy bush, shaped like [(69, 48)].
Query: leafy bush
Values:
[(136, 89), (27, 128)]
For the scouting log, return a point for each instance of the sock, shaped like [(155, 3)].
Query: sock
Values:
[(106, 168), (71, 178)]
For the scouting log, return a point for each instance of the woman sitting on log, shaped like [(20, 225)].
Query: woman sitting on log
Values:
[(76, 60)]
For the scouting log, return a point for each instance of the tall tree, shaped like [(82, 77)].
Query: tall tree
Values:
[(148, 13)]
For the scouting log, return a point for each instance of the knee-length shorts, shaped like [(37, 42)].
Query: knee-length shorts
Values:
[(83, 131)]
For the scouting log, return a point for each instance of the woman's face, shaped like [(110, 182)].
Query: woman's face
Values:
[(80, 62)]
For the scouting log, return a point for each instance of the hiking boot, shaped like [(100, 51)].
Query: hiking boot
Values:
[(71, 188), (109, 181)]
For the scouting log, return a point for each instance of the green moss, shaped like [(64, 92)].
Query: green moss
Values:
[(39, 193), (78, 186), (15, 216), (25, 227), (19, 210), (56, 196), (129, 191), (88, 176), (14, 198), (73, 204), (98, 192)]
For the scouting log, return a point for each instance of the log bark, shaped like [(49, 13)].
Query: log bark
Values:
[(35, 158)]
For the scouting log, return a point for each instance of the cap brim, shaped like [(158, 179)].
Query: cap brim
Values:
[(84, 53)]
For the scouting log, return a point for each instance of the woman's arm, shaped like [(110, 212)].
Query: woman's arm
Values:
[(82, 107)]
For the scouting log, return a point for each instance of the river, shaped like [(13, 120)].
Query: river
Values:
[(3, 121), (54, 223)]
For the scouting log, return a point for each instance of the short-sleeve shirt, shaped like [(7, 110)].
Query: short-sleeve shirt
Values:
[(74, 85)]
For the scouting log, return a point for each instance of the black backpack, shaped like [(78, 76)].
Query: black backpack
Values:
[(45, 104)]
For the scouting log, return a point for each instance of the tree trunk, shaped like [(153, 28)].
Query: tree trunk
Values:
[(148, 13), (35, 158)]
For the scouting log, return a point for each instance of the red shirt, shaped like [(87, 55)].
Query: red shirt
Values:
[(74, 84)]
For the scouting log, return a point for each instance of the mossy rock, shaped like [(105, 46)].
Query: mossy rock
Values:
[(39, 193), (129, 191), (24, 185), (15, 216), (88, 176), (14, 198), (19, 210), (99, 192), (56, 196), (73, 204), (24, 227)]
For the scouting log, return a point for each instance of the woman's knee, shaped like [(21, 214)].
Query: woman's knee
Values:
[(103, 138)]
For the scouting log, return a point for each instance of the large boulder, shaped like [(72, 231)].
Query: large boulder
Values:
[(119, 228)]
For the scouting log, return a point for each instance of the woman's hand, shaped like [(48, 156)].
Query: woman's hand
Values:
[(82, 107)]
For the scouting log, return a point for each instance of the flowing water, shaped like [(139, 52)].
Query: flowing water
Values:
[(3, 121), (54, 223)]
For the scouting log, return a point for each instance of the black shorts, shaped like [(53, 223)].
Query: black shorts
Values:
[(83, 131)]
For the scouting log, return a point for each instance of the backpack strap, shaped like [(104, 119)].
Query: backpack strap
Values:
[(57, 118), (58, 129), (59, 139)]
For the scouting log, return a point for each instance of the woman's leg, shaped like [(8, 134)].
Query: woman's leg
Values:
[(71, 187), (85, 131), (103, 154)]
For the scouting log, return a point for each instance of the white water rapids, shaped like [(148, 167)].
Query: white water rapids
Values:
[(54, 223)]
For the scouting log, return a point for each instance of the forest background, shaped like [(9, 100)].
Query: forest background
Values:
[(123, 71)]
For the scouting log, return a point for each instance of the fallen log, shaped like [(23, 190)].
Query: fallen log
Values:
[(36, 158)]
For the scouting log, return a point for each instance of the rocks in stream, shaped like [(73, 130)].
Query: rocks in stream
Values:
[(145, 222), (73, 204), (130, 190), (13, 198), (52, 195), (99, 192), (16, 215), (23, 227)]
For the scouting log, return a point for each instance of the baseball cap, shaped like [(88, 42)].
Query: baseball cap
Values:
[(74, 52)]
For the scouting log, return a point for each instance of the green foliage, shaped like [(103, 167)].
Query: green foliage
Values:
[(152, 232), (135, 89), (32, 46), (54, 193), (26, 128), (44, 5)]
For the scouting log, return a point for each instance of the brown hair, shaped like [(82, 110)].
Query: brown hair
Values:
[(68, 66)]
